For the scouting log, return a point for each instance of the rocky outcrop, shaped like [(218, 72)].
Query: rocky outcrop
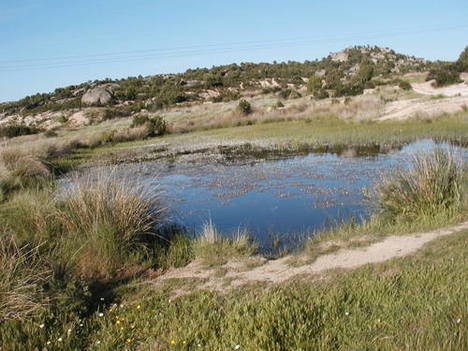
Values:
[(100, 95)]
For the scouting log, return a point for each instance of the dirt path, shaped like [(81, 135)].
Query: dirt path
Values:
[(404, 109), (277, 271)]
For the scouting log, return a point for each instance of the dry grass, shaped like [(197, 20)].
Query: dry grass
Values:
[(22, 274)]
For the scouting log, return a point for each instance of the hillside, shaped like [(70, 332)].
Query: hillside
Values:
[(350, 72)]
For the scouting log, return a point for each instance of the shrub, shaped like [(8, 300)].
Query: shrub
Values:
[(244, 107), (279, 104), (50, 133), (155, 125), (462, 63), (405, 85), (15, 130), (432, 185), (314, 85), (444, 75)]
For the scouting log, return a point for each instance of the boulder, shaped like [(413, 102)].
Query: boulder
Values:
[(97, 96)]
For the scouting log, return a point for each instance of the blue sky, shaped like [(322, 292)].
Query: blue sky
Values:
[(50, 43)]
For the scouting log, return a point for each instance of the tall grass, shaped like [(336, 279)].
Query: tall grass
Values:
[(22, 276), (106, 221), (430, 186)]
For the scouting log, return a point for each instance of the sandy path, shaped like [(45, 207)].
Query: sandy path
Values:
[(404, 109), (277, 271)]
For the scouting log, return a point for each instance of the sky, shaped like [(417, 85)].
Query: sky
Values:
[(46, 44)]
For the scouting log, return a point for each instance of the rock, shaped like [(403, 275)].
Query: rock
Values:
[(97, 96)]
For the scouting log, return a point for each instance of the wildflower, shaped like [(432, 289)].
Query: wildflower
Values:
[(138, 307), (117, 322), (48, 343), (69, 331), (41, 326), (199, 345), (237, 347), (59, 339), (132, 326), (81, 324), (98, 342), (102, 299), (458, 320), (346, 313), (101, 314), (184, 342), (129, 340), (172, 342)]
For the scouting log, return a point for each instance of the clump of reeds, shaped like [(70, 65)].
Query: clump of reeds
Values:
[(430, 186)]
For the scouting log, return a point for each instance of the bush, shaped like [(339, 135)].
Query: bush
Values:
[(314, 85), (405, 85), (444, 76), (279, 104), (244, 107), (50, 133), (15, 130), (155, 125), (432, 185)]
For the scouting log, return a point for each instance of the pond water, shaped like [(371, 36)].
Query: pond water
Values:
[(286, 198)]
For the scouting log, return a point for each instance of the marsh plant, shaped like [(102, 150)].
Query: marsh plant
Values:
[(432, 185)]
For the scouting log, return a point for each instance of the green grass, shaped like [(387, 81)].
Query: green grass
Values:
[(93, 246), (215, 249), (414, 303), (327, 133), (432, 185)]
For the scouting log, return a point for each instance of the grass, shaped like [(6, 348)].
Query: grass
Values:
[(432, 185), (69, 260), (414, 303), (22, 275), (215, 249), (430, 193), (318, 134), (106, 222)]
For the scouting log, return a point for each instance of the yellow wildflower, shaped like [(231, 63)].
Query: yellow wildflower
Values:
[(172, 342)]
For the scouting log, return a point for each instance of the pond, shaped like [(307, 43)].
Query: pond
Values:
[(286, 198)]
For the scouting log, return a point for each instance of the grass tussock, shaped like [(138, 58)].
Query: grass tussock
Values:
[(430, 186), (214, 249), (106, 222), (22, 276)]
